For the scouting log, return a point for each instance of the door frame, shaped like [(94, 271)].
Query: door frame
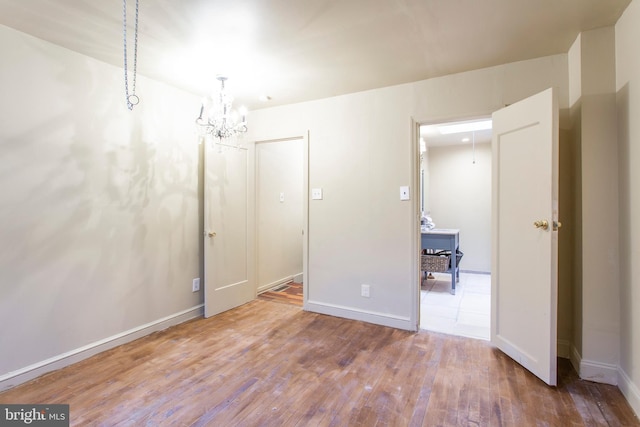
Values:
[(253, 196)]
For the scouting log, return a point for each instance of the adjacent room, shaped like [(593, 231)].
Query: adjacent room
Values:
[(168, 165), (455, 191)]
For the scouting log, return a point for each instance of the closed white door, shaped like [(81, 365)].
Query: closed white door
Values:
[(228, 264), (524, 236)]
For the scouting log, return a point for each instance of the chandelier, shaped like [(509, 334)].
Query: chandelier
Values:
[(218, 118)]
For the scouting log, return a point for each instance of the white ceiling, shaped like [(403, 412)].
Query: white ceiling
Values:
[(298, 50), (434, 138)]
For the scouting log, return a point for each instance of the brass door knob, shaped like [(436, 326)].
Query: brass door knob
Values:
[(541, 223), (556, 225)]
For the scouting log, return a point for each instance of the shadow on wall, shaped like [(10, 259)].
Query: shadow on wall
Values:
[(97, 205)]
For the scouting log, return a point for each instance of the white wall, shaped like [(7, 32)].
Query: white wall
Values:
[(573, 223), (600, 305), (99, 222), (279, 171), (361, 150), (460, 197), (627, 34)]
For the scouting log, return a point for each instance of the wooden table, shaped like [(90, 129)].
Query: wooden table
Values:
[(444, 239)]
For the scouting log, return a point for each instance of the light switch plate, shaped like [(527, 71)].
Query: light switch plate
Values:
[(281, 197), (365, 291), (404, 193), (316, 194)]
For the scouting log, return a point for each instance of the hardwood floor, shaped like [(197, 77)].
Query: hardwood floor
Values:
[(291, 293), (270, 364)]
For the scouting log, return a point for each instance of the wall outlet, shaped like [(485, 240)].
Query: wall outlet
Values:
[(195, 286), (365, 291)]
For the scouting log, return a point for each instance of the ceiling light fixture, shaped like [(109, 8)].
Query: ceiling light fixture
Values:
[(219, 119), (465, 127)]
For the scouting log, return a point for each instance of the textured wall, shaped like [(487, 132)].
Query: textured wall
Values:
[(99, 210)]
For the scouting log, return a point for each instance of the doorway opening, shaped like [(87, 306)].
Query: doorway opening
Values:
[(279, 205), (455, 199), (524, 231)]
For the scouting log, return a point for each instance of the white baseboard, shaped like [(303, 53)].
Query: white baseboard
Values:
[(35, 370), (598, 372), (575, 359), (298, 278), (263, 288), (630, 391), (383, 319), (593, 371)]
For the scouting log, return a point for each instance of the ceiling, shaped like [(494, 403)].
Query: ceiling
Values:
[(433, 137), (294, 50)]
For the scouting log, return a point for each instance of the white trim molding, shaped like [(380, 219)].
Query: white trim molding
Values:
[(608, 374), (14, 378), (590, 370), (598, 372), (384, 319), (630, 391), (575, 359), (275, 283)]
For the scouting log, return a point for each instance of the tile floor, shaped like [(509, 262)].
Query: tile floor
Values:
[(467, 313)]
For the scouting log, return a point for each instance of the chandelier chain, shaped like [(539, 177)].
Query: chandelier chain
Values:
[(131, 98)]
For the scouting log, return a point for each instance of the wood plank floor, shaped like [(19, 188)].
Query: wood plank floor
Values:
[(291, 293), (270, 364)]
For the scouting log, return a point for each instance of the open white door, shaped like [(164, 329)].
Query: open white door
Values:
[(228, 256), (524, 258)]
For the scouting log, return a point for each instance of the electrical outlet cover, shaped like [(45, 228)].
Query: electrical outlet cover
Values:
[(404, 193)]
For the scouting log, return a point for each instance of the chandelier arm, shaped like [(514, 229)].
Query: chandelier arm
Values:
[(199, 119)]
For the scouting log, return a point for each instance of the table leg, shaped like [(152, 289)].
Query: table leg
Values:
[(454, 272)]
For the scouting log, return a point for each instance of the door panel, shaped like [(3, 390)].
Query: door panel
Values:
[(524, 270), (228, 278)]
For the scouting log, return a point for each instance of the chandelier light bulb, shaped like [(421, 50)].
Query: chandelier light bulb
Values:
[(217, 116)]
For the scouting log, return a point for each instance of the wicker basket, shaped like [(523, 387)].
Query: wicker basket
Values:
[(459, 255), (434, 263)]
